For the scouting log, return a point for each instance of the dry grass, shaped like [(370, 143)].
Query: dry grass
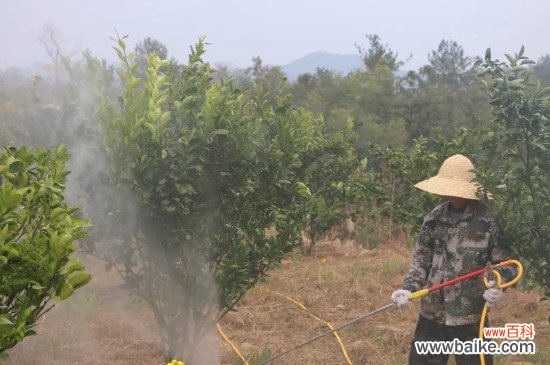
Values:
[(340, 282)]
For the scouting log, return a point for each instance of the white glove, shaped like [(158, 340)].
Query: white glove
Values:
[(400, 297), (492, 294)]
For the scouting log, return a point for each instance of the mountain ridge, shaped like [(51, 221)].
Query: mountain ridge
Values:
[(342, 63)]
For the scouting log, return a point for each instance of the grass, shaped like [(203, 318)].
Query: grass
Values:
[(255, 357)]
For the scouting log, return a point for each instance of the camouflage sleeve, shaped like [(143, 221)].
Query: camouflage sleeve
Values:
[(498, 253), (421, 261)]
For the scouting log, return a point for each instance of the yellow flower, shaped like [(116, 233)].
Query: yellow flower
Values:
[(176, 362)]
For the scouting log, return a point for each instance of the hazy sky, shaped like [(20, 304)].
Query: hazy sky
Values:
[(279, 31)]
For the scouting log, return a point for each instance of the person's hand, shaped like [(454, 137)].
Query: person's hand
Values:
[(492, 294), (400, 297)]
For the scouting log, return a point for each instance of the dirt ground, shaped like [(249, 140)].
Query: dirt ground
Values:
[(98, 325), (340, 282)]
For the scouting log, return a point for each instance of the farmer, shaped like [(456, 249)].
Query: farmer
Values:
[(457, 237)]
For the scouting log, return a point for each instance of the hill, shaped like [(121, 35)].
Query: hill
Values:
[(335, 62)]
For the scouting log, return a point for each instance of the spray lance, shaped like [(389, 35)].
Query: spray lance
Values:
[(489, 270)]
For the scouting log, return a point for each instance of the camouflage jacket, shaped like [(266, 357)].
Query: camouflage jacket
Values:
[(445, 251)]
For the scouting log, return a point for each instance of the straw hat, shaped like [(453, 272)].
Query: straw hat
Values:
[(455, 178)]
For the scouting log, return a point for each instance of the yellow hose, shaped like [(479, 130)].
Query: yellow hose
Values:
[(235, 349), (502, 286), (303, 307)]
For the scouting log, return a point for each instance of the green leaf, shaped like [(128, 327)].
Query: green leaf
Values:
[(23, 315), (17, 166), (36, 286), (75, 265), (150, 127), (6, 326), (18, 281), (57, 211), (121, 44), (520, 54), (517, 69), (186, 189), (518, 83), (221, 132), (66, 291), (510, 59), (79, 279), (65, 239), (303, 190), (544, 92)]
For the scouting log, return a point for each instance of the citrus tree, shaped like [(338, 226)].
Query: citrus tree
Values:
[(517, 159), (37, 237), (332, 184), (217, 179)]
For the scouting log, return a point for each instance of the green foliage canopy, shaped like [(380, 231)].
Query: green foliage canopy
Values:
[(517, 165), (37, 234)]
